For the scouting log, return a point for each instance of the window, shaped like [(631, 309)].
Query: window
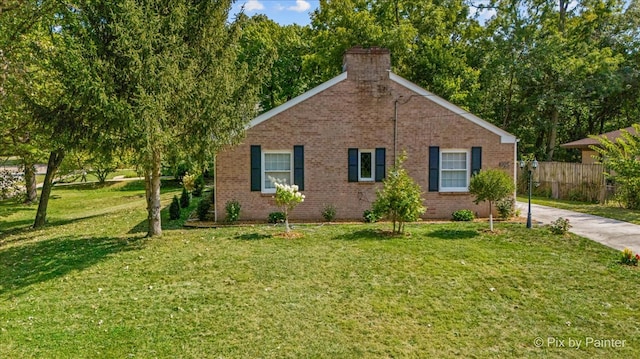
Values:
[(454, 171), (277, 166), (365, 165)]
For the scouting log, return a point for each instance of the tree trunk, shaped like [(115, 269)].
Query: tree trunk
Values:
[(55, 159), (152, 190), (30, 182), (490, 217), (553, 133)]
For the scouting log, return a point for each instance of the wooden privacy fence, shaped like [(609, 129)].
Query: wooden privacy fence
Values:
[(564, 180)]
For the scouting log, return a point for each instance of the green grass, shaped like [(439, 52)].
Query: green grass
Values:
[(91, 285), (608, 210)]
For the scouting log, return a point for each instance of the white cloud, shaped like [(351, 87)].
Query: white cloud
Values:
[(253, 5), (300, 6)]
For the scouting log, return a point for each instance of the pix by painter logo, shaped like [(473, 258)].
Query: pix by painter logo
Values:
[(577, 343)]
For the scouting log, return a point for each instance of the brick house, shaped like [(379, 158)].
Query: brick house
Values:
[(337, 141)]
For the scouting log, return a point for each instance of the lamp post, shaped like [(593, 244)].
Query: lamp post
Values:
[(531, 165)]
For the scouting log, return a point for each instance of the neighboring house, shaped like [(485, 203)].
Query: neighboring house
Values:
[(338, 141), (590, 156)]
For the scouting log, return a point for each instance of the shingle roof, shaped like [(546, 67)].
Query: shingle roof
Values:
[(586, 142)]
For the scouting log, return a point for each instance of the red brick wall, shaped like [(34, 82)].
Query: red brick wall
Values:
[(356, 114)]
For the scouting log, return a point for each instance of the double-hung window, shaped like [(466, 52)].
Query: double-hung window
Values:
[(365, 165), (277, 167), (454, 171)]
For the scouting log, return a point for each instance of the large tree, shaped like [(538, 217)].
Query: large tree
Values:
[(159, 75)]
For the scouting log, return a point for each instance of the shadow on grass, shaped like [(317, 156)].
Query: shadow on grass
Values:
[(366, 235), (252, 236), (36, 262), (454, 233), (25, 225)]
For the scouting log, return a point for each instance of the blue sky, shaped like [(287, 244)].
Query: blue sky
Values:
[(284, 12)]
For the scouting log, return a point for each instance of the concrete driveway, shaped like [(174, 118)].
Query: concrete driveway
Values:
[(610, 232)]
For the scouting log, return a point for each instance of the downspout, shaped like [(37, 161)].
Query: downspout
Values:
[(515, 168), (395, 131)]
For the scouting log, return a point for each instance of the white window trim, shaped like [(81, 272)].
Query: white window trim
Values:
[(468, 170), (263, 169), (373, 167)]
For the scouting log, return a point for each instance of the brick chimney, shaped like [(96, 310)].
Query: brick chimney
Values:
[(372, 64)]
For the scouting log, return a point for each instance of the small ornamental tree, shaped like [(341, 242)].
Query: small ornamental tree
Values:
[(491, 185), (185, 198), (400, 200), (287, 197)]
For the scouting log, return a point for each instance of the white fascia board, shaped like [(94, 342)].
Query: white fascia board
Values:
[(296, 100), (505, 137)]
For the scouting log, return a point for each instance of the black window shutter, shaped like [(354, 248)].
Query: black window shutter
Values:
[(380, 164), (476, 160), (256, 170), (353, 165), (434, 168), (298, 167)]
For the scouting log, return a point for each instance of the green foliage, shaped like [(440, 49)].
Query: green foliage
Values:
[(370, 216), (203, 207), (275, 217), (560, 226), (232, 208), (400, 199), (287, 197), (329, 212), (491, 185), (621, 158), (463, 215), (627, 257), (185, 198), (198, 186), (189, 181), (174, 209), (506, 207)]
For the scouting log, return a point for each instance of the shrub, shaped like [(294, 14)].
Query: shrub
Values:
[(329, 212), (400, 199), (627, 257), (198, 186), (275, 217), (287, 197), (463, 215), (203, 208), (621, 157), (491, 185), (189, 181), (9, 184), (506, 207), (370, 216), (233, 211), (560, 226), (185, 198), (174, 209)]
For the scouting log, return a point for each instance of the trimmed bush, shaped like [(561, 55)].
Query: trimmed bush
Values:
[(185, 198), (174, 209), (198, 186), (203, 208), (275, 217), (370, 216), (233, 211), (329, 212), (506, 207), (463, 215)]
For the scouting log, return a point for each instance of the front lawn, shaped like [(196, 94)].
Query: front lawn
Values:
[(608, 210), (91, 285)]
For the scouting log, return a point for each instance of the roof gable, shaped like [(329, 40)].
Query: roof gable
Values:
[(505, 137), (586, 142)]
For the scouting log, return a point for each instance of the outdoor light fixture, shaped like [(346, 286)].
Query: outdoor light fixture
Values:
[(531, 165)]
